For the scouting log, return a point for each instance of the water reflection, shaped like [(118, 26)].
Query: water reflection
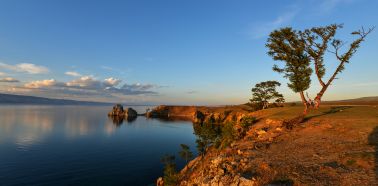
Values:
[(118, 120), (68, 145), (25, 126)]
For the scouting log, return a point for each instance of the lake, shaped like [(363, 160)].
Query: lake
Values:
[(72, 145)]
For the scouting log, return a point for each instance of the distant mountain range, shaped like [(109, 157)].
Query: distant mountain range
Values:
[(33, 100), (372, 98)]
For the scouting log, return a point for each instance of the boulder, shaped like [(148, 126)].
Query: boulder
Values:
[(130, 113), (160, 181), (117, 110)]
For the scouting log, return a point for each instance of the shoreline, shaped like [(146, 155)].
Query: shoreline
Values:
[(262, 147)]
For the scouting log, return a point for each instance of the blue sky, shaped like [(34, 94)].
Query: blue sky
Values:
[(171, 52)]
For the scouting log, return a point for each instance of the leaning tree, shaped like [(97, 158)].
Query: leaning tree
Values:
[(300, 49), (286, 45), (264, 92)]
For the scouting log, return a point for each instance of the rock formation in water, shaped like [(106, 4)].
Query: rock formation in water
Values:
[(120, 113)]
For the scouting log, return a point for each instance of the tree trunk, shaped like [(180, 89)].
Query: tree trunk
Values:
[(265, 104), (324, 87), (304, 101), (318, 97)]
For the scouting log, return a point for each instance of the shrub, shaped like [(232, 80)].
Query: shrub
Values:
[(228, 135), (247, 121), (170, 173)]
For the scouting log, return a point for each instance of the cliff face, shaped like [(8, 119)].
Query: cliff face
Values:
[(232, 165), (200, 114)]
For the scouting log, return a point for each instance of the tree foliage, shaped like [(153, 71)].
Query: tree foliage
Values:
[(300, 49), (185, 152), (264, 92), (286, 45), (207, 135), (170, 173)]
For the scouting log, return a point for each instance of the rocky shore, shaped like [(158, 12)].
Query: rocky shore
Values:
[(324, 149), (200, 114), (331, 146)]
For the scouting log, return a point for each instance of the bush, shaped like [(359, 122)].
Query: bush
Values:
[(228, 135), (170, 173), (247, 121)]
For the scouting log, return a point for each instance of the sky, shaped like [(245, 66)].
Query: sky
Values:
[(191, 52)]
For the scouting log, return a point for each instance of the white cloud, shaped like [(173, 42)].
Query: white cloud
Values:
[(71, 73), (25, 67), (9, 80), (110, 82), (86, 86), (264, 29), (85, 82), (2, 74), (40, 84), (139, 86)]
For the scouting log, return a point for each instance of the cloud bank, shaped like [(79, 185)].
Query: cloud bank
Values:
[(88, 85), (9, 80), (25, 67)]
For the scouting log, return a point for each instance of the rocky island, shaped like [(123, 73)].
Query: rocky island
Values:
[(118, 113)]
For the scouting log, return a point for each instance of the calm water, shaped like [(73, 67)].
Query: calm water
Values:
[(68, 145)]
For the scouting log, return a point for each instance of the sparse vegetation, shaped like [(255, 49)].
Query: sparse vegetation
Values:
[(220, 136), (247, 121), (207, 135), (227, 136)]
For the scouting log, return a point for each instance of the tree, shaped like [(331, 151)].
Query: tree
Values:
[(185, 152), (170, 173), (317, 41), (207, 135), (298, 49), (286, 45), (201, 147), (263, 92)]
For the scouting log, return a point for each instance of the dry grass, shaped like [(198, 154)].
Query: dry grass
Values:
[(336, 145), (333, 147)]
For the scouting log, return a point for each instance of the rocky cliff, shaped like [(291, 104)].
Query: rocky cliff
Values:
[(330, 147), (200, 114)]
